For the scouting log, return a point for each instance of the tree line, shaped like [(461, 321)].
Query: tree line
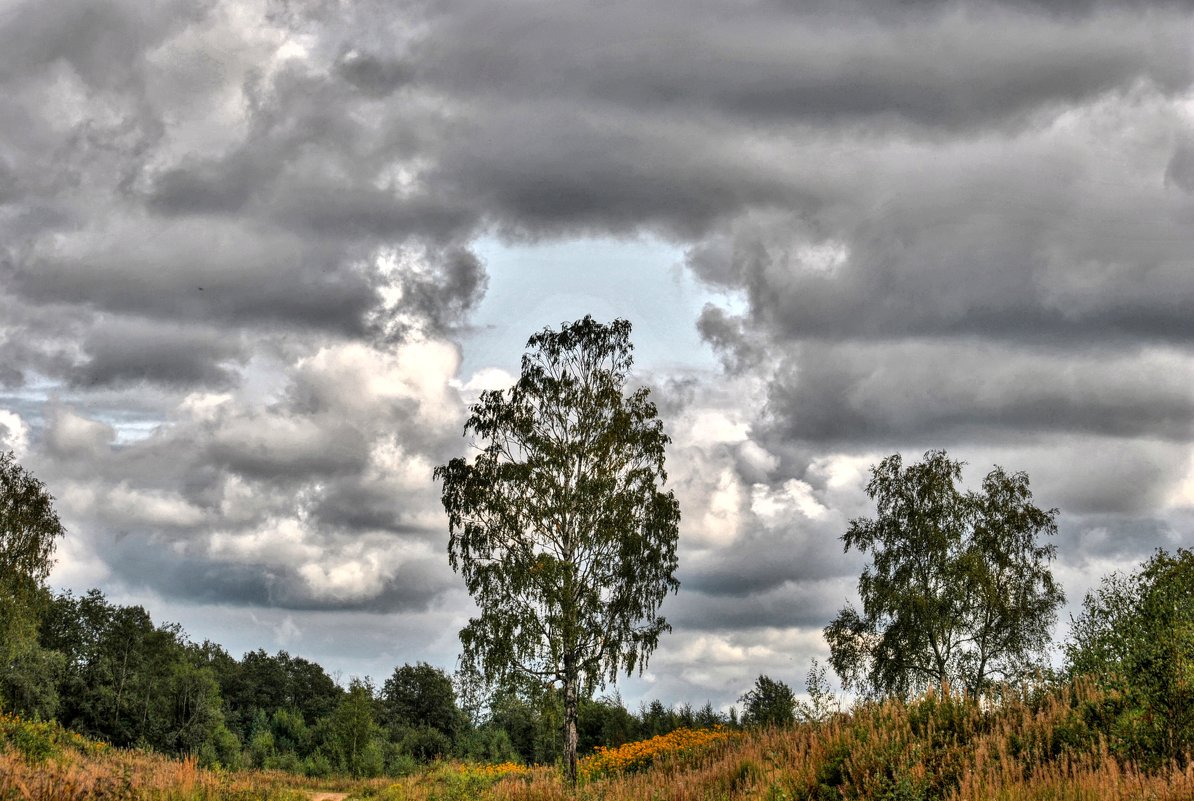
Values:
[(107, 671), (566, 539)]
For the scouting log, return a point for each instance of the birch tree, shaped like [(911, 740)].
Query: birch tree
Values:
[(559, 524)]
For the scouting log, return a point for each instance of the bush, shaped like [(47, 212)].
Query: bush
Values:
[(222, 750), (37, 741), (487, 744), (426, 744), (1135, 637), (317, 765)]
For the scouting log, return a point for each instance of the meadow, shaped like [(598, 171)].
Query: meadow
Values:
[(1046, 743)]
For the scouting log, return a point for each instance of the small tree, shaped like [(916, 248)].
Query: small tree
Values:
[(822, 703), (353, 733), (769, 703), (959, 591), (1135, 635), (559, 525), (29, 530)]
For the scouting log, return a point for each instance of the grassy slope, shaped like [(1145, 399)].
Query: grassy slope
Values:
[(44, 762), (1039, 748)]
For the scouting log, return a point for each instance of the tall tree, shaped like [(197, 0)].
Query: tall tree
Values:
[(959, 591), (559, 525), (29, 530)]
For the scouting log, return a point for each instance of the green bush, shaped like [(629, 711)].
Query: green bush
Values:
[(1135, 637), (317, 765), (426, 744)]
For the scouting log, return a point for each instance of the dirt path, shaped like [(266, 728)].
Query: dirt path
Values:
[(317, 796)]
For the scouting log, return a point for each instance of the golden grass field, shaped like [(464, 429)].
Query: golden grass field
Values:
[(1038, 747)]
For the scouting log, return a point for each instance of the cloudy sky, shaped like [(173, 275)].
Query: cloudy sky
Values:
[(257, 256)]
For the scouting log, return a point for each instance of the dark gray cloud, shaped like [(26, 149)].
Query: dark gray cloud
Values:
[(1120, 538), (273, 446), (979, 390), (200, 271), (198, 578), (320, 499), (236, 242), (131, 351), (105, 43), (951, 65), (804, 604), (373, 75)]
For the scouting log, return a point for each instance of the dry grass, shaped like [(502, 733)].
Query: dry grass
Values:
[(1040, 745), (44, 762), (1037, 746), (133, 776)]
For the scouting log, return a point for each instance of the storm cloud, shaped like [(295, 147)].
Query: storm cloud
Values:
[(239, 263)]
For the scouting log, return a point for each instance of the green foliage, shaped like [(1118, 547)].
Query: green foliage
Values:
[(604, 722), (959, 591), (29, 530), (915, 751), (399, 763), (271, 683), (222, 750), (531, 719), (821, 703), (261, 748), (768, 703), (317, 764), (39, 740), (449, 783), (656, 719), (1135, 635), (353, 734), (559, 527), (422, 697), (36, 742), (488, 744), (30, 685), (127, 681), (193, 705), (425, 743)]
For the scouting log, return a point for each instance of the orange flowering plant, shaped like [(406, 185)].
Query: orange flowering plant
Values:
[(679, 744)]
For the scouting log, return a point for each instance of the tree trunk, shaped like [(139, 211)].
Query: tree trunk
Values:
[(570, 715), (120, 691)]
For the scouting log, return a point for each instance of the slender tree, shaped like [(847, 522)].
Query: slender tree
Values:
[(559, 525), (959, 591)]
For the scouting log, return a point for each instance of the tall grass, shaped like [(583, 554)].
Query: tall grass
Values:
[(1036, 744), (43, 762)]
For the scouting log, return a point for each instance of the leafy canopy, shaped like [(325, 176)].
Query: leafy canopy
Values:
[(559, 525), (1135, 636), (769, 703), (29, 530), (959, 590), (421, 695)]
